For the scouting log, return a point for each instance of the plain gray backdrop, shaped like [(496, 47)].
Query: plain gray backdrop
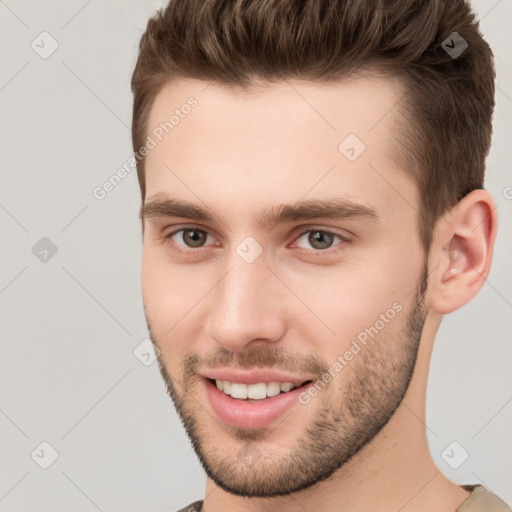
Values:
[(72, 315)]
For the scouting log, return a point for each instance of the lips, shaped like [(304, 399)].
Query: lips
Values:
[(237, 398)]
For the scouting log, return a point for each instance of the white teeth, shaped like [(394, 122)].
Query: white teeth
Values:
[(273, 388), (286, 386), (257, 391), (238, 390)]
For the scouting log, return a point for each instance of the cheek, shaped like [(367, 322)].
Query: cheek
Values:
[(162, 294), (173, 300), (350, 299), (153, 288)]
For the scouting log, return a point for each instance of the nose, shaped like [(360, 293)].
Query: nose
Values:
[(247, 307)]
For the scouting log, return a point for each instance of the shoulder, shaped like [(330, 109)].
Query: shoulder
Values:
[(482, 500), (193, 507)]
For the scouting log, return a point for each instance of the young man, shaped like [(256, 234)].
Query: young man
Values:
[(312, 205)]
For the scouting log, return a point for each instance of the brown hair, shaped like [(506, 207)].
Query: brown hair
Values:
[(448, 103)]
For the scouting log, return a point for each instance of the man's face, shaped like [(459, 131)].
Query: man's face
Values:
[(331, 304)]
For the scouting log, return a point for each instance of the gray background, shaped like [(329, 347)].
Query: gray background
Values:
[(70, 324)]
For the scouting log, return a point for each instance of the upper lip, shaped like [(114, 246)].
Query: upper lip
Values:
[(254, 376)]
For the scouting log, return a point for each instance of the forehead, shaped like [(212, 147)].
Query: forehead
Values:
[(367, 105), (279, 141)]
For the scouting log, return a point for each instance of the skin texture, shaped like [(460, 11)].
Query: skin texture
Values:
[(350, 414), (297, 306)]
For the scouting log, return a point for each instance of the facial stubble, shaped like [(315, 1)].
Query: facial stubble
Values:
[(348, 418)]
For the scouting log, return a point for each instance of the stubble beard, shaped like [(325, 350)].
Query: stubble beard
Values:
[(347, 418)]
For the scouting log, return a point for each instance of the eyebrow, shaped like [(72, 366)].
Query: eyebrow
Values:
[(330, 208)]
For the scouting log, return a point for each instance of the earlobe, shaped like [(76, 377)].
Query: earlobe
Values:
[(464, 246)]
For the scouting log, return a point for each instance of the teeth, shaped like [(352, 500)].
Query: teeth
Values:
[(273, 388), (238, 390), (286, 386), (257, 391)]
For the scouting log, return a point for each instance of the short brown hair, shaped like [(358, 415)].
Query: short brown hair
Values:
[(448, 103)]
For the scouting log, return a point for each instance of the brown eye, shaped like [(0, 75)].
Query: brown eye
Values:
[(319, 239), (189, 237), (194, 237)]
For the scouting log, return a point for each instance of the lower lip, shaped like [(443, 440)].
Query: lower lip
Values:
[(251, 415)]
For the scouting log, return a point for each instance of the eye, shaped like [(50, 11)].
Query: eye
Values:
[(189, 237), (319, 239)]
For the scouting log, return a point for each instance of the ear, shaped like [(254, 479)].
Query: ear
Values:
[(461, 251)]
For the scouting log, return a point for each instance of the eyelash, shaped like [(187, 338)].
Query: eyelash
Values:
[(315, 252)]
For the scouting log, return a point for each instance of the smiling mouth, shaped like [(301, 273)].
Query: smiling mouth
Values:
[(255, 392)]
